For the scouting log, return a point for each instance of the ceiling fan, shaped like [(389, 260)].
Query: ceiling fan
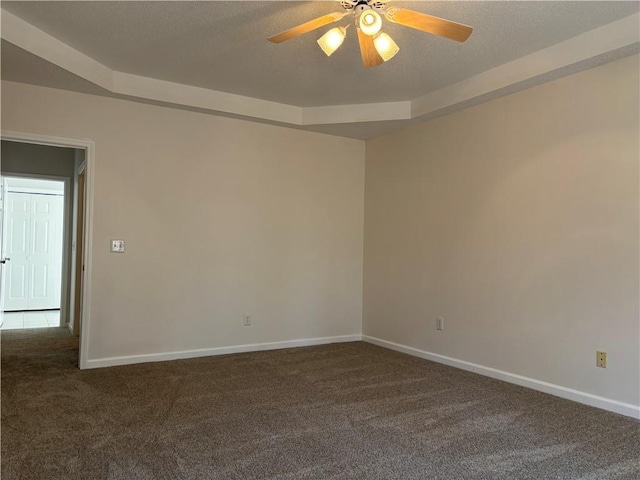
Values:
[(376, 47)]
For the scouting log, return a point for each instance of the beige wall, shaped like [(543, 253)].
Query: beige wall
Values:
[(517, 221), (20, 158), (221, 217)]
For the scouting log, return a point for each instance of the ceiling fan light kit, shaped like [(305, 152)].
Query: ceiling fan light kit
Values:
[(370, 22), (331, 41), (385, 46), (376, 47)]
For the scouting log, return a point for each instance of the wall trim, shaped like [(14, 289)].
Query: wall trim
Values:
[(208, 352), (615, 406)]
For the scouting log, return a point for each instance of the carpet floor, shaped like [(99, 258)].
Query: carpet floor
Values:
[(342, 411)]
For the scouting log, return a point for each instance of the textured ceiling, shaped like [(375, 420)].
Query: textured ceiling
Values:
[(222, 45)]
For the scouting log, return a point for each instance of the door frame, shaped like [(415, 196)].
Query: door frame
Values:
[(89, 148), (79, 180), (66, 277)]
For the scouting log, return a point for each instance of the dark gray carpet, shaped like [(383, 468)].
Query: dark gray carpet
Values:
[(344, 411)]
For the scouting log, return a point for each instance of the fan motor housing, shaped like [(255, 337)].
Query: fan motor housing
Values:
[(359, 6)]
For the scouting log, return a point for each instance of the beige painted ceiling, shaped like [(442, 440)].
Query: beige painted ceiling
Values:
[(222, 47)]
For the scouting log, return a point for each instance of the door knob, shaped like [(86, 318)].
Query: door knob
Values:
[(4, 260)]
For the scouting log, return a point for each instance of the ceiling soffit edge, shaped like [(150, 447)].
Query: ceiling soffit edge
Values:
[(615, 36)]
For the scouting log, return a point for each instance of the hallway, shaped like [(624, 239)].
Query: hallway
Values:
[(30, 319)]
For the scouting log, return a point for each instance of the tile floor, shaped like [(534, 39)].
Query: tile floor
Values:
[(31, 319)]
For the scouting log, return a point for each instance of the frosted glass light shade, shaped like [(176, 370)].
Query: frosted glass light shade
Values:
[(331, 41), (370, 22), (385, 46)]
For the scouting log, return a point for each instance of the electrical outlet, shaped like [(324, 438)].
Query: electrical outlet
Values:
[(439, 323), (247, 320), (601, 359)]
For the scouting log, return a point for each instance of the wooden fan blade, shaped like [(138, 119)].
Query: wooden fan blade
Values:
[(429, 24), (370, 56), (307, 27)]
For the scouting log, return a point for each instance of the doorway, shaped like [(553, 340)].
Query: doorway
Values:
[(33, 243), (74, 289)]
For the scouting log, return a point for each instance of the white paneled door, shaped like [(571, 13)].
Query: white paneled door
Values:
[(33, 241), (3, 259)]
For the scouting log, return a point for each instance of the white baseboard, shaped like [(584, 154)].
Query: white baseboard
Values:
[(627, 409), (206, 352)]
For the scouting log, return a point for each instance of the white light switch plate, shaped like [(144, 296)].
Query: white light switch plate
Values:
[(117, 246)]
